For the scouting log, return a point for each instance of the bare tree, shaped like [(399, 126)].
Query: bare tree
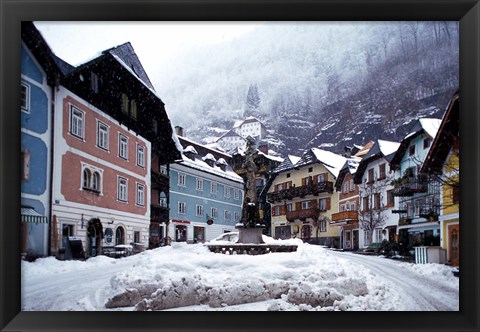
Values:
[(413, 28), (372, 211)]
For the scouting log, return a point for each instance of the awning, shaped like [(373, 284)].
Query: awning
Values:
[(420, 224), (30, 215)]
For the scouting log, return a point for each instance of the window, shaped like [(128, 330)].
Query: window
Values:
[(310, 169), (94, 82), (136, 236), (163, 199), (426, 143), (181, 179), (199, 210), (102, 135), (214, 212), (199, 184), (236, 216), (323, 226), (370, 175), (455, 195), (352, 185), (365, 204), (25, 98), (25, 165), (382, 172), (306, 205), (227, 215), (236, 194), (213, 187), (198, 234), (390, 198), (411, 150), (419, 206), (367, 238), (163, 170), (122, 189), (76, 122), (377, 235), (323, 204), (276, 210), (289, 207), (140, 194), (345, 187), (342, 208), (182, 208), (124, 103), (307, 180), (352, 206), (279, 186), (140, 156), (226, 191), (376, 201), (321, 178), (122, 146), (288, 175), (86, 178), (133, 109), (96, 181)]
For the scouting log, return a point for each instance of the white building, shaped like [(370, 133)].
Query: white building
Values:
[(251, 126)]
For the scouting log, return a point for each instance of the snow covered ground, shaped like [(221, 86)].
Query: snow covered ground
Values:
[(190, 277)]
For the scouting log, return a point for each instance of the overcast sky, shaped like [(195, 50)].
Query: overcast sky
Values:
[(156, 43)]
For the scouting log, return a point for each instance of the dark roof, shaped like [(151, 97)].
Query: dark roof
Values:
[(230, 133), (373, 154), (284, 166), (53, 65), (126, 53), (204, 150), (445, 139)]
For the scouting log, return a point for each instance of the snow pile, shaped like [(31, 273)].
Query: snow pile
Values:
[(189, 275), (441, 273)]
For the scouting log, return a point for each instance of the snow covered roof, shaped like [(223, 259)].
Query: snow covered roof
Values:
[(387, 147), (274, 158), (288, 163), (199, 164), (332, 161), (190, 149), (293, 159), (380, 149), (209, 156), (230, 133), (431, 126), (251, 119)]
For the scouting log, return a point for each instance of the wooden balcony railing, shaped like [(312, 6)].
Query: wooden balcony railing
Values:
[(408, 186), (303, 214), (158, 213), (302, 191), (345, 216)]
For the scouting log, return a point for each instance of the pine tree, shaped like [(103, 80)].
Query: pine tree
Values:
[(252, 105)]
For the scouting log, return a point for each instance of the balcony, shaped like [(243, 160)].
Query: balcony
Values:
[(303, 214), (345, 216), (429, 211), (160, 181), (302, 191), (408, 186), (158, 213)]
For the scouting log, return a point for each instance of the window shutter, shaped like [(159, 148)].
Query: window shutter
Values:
[(315, 179), (283, 210), (325, 176), (304, 181), (276, 188), (328, 203), (273, 210), (298, 206)]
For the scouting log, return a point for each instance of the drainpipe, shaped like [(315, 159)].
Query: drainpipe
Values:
[(52, 122)]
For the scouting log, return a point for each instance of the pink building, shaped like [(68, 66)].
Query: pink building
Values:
[(101, 179)]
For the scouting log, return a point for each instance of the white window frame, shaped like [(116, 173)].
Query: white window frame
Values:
[(345, 187), (122, 146), (213, 187), (377, 235), (226, 191), (199, 184), (236, 194), (227, 215), (102, 135), (162, 201), (182, 179), (122, 189), (77, 122), (236, 216), (25, 107), (323, 226), (213, 212), (352, 185), (366, 237), (182, 207), (140, 197), (89, 184), (140, 155), (199, 210), (322, 204), (306, 205)]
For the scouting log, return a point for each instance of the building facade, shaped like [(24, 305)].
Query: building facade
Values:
[(419, 198), (36, 113), (252, 127), (377, 221), (303, 199), (206, 195), (101, 183)]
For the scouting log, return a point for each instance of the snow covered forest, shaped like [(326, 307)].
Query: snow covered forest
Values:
[(319, 83)]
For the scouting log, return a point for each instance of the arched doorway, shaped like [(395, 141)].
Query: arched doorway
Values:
[(119, 235), (94, 237)]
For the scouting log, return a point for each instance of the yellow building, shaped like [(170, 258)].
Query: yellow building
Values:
[(442, 164), (303, 198)]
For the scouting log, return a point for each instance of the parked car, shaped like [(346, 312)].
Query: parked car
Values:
[(374, 248), (229, 237)]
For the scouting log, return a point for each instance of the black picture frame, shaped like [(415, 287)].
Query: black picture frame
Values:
[(13, 12)]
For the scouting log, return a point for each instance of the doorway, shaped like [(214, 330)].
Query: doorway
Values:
[(94, 237), (454, 244), (355, 239), (119, 236)]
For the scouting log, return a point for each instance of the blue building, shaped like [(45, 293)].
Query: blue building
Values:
[(206, 195)]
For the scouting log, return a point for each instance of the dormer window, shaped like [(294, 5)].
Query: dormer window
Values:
[(94, 82), (190, 152)]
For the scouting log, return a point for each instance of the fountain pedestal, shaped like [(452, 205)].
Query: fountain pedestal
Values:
[(250, 235)]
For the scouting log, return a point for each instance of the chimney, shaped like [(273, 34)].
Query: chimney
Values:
[(263, 147), (179, 131)]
